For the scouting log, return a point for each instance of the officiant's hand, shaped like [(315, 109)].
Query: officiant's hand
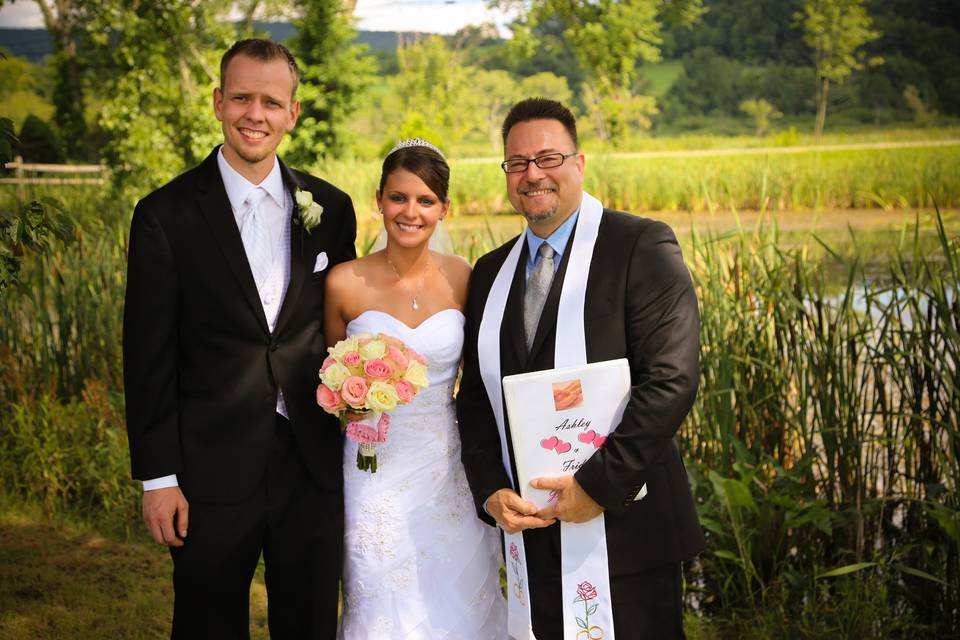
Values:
[(165, 512), (573, 504), (514, 514)]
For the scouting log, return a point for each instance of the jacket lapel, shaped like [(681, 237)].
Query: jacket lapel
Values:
[(218, 213), (298, 261)]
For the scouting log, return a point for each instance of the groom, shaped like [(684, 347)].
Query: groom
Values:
[(639, 305), (222, 342)]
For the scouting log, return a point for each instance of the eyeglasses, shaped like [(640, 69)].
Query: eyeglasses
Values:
[(548, 161)]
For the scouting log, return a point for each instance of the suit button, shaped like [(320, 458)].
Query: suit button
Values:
[(273, 346)]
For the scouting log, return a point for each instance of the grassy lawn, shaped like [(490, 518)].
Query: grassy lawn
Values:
[(61, 580)]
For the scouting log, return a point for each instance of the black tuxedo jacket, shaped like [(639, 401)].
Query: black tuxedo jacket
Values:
[(640, 305), (201, 368)]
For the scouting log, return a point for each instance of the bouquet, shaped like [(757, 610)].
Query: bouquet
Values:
[(363, 379)]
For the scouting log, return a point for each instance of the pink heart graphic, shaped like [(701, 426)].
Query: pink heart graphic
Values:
[(549, 443), (587, 436), (563, 447), (599, 440)]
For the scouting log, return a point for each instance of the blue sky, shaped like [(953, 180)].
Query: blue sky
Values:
[(434, 16)]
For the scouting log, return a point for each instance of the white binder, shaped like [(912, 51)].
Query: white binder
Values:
[(560, 417)]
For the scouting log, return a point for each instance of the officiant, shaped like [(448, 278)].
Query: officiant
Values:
[(628, 508)]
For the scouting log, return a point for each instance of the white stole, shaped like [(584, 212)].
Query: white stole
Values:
[(587, 605)]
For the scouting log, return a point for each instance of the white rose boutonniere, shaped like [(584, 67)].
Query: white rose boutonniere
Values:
[(308, 211)]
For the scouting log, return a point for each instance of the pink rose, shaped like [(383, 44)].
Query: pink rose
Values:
[(586, 591), (351, 359), (396, 355), (377, 369), (413, 355), (514, 552), (329, 400), (354, 391), (329, 360), (405, 391)]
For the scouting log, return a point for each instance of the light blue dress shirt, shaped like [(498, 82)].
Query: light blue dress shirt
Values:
[(557, 240)]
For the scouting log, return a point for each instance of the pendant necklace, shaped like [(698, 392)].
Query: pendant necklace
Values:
[(413, 294)]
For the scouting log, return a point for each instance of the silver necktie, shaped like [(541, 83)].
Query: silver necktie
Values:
[(256, 237), (538, 286)]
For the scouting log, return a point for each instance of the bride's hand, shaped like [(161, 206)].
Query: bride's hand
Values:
[(514, 514)]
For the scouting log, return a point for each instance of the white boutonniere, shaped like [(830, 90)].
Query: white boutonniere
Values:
[(308, 211)]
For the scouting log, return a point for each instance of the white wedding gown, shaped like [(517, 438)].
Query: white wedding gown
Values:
[(418, 563)]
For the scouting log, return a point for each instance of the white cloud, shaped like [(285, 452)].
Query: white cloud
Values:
[(437, 16), (21, 15)]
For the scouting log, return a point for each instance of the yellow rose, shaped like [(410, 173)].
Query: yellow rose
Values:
[(372, 350), (382, 397), (344, 346), (416, 375), (334, 376)]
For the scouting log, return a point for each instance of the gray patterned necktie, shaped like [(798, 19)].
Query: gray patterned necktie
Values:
[(538, 286)]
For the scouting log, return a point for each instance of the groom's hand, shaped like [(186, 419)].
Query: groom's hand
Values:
[(514, 514), (165, 512), (573, 504)]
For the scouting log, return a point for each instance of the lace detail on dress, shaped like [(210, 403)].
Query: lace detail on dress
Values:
[(418, 563)]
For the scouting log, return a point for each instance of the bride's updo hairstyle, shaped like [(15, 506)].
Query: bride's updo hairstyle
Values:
[(422, 159)]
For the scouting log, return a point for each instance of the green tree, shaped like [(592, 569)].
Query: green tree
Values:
[(434, 85), (761, 111), (836, 31), (64, 20), (38, 142), (335, 72), (155, 66), (608, 37)]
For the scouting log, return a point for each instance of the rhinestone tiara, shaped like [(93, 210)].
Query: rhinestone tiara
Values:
[(416, 142)]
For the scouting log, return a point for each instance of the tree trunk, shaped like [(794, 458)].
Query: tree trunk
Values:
[(68, 96), (824, 92)]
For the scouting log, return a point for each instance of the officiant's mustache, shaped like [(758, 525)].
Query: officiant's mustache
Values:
[(529, 187)]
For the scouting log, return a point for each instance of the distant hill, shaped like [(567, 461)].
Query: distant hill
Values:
[(34, 44)]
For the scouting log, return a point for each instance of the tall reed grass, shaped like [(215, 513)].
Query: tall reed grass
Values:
[(824, 442)]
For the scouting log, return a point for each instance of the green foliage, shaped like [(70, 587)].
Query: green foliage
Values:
[(335, 72), (35, 227), (38, 142), (762, 113), (922, 115), (818, 440), (157, 67), (836, 31), (71, 456), (609, 38)]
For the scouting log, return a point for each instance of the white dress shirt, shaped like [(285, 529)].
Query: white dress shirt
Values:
[(276, 210)]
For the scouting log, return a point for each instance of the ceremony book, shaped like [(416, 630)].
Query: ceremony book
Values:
[(560, 417)]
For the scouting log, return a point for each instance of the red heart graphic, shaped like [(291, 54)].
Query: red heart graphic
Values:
[(599, 440), (549, 443), (587, 436), (563, 447)]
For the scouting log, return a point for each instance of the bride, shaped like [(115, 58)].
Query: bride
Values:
[(418, 563)]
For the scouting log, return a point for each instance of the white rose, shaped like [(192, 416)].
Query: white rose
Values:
[(373, 350), (416, 375), (304, 198), (311, 215), (334, 376), (382, 397), (343, 347)]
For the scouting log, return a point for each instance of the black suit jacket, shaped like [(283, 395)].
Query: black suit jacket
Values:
[(201, 369), (640, 305)]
